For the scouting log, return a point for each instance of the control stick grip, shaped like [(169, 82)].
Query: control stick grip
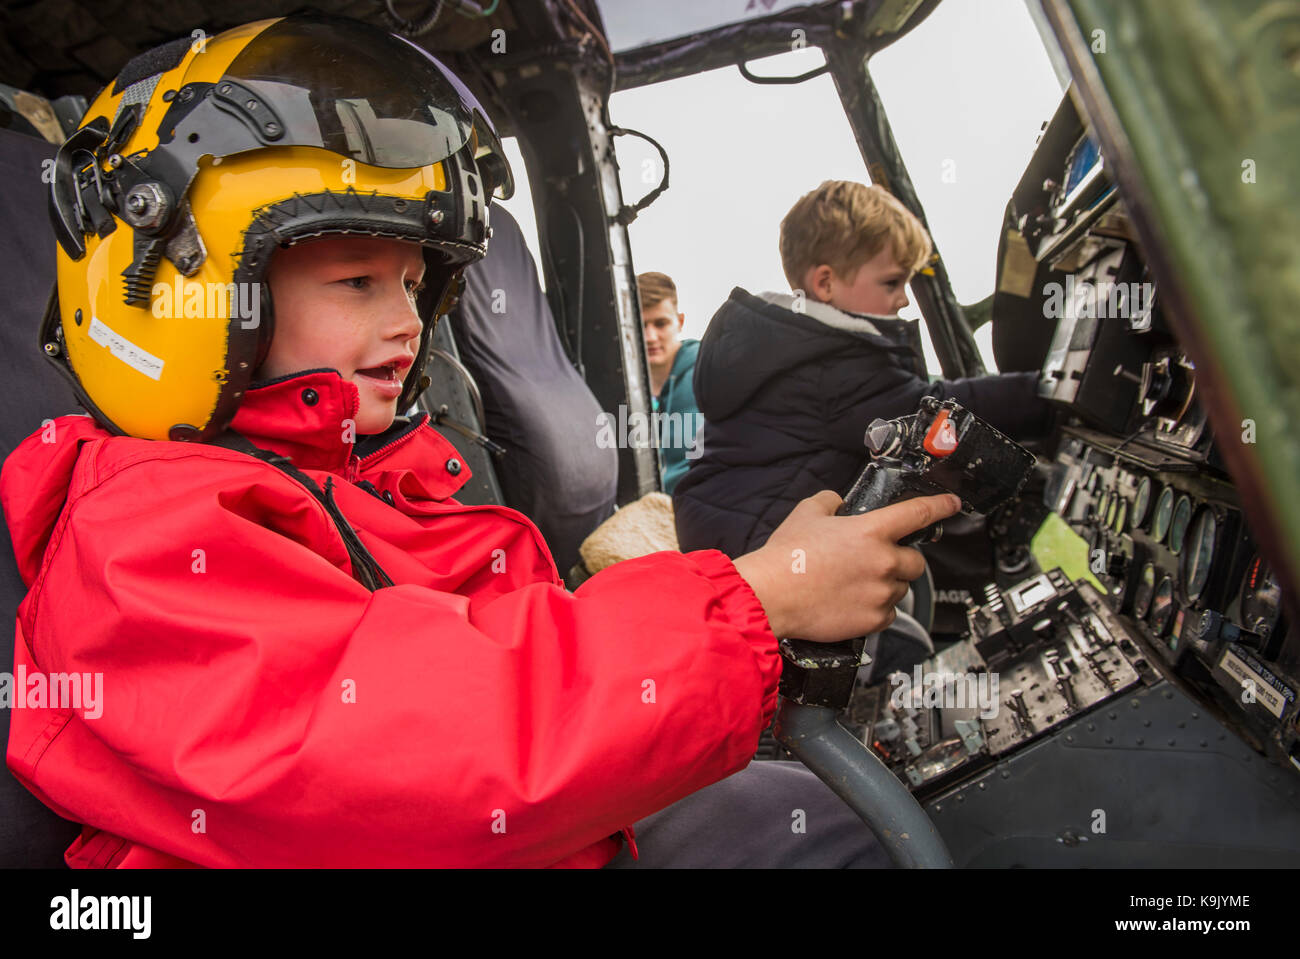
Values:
[(883, 484)]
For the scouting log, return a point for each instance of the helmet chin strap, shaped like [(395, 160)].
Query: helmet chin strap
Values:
[(267, 332), (436, 300)]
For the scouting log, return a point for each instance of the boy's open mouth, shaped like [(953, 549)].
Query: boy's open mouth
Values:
[(386, 372), (386, 379)]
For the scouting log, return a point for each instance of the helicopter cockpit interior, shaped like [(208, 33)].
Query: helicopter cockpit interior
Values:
[(1124, 689)]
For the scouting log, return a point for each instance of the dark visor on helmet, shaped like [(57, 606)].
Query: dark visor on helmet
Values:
[(341, 85)]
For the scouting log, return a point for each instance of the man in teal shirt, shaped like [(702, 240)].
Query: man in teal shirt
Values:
[(672, 368)]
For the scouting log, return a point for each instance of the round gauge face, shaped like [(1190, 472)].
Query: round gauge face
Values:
[(1162, 607), (1178, 525), (1146, 589), (1199, 553), (1111, 509), (1121, 516), (1142, 502), (1164, 512), (1261, 598)]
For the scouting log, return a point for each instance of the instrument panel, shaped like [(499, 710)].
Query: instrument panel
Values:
[(1176, 590), (1136, 472), (1168, 542), (1168, 547)]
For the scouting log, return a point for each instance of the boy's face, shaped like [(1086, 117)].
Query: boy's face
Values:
[(879, 287), (660, 324), (347, 303)]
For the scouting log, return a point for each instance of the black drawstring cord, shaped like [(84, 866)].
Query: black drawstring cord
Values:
[(365, 568), (368, 570)]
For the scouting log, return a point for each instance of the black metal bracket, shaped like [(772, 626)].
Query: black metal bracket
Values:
[(754, 78)]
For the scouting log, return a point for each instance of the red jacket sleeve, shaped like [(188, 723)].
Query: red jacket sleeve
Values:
[(267, 710)]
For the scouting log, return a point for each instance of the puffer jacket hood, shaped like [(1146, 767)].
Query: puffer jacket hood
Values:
[(752, 339), (45, 476)]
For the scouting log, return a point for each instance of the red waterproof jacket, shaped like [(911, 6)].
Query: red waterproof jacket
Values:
[(261, 707)]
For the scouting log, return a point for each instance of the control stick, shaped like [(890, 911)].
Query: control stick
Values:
[(942, 448)]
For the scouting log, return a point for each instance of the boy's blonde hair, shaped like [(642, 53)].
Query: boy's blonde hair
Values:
[(844, 224), (654, 288)]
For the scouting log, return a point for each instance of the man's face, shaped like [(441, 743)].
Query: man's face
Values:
[(661, 323), (347, 303), (879, 287)]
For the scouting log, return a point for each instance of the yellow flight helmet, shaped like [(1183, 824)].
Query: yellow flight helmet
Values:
[(204, 157)]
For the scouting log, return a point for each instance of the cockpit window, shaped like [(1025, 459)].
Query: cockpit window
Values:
[(967, 93), (740, 155)]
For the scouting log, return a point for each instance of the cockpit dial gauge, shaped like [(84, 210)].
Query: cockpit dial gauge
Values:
[(1146, 589), (1182, 518), (1164, 513), (1198, 554), (1162, 607), (1261, 598), (1141, 502)]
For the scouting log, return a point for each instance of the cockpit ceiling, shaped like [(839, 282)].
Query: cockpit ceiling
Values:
[(58, 47)]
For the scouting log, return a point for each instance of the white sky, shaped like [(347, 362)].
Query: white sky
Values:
[(966, 92)]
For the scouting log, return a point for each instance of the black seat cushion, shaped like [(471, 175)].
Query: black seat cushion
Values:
[(30, 835), (536, 404)]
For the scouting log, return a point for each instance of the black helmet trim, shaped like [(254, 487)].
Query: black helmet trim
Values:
[(51, 343), (491, 159), (303, 216), (80, 201)]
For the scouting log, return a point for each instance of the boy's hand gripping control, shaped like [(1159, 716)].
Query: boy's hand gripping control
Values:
[(941, 448)]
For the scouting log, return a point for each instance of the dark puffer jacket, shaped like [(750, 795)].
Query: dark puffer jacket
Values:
[(787, 397)]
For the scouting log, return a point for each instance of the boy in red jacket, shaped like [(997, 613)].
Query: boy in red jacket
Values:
[(310, 653)]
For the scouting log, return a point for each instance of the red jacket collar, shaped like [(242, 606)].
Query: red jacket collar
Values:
[(310, 417)]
